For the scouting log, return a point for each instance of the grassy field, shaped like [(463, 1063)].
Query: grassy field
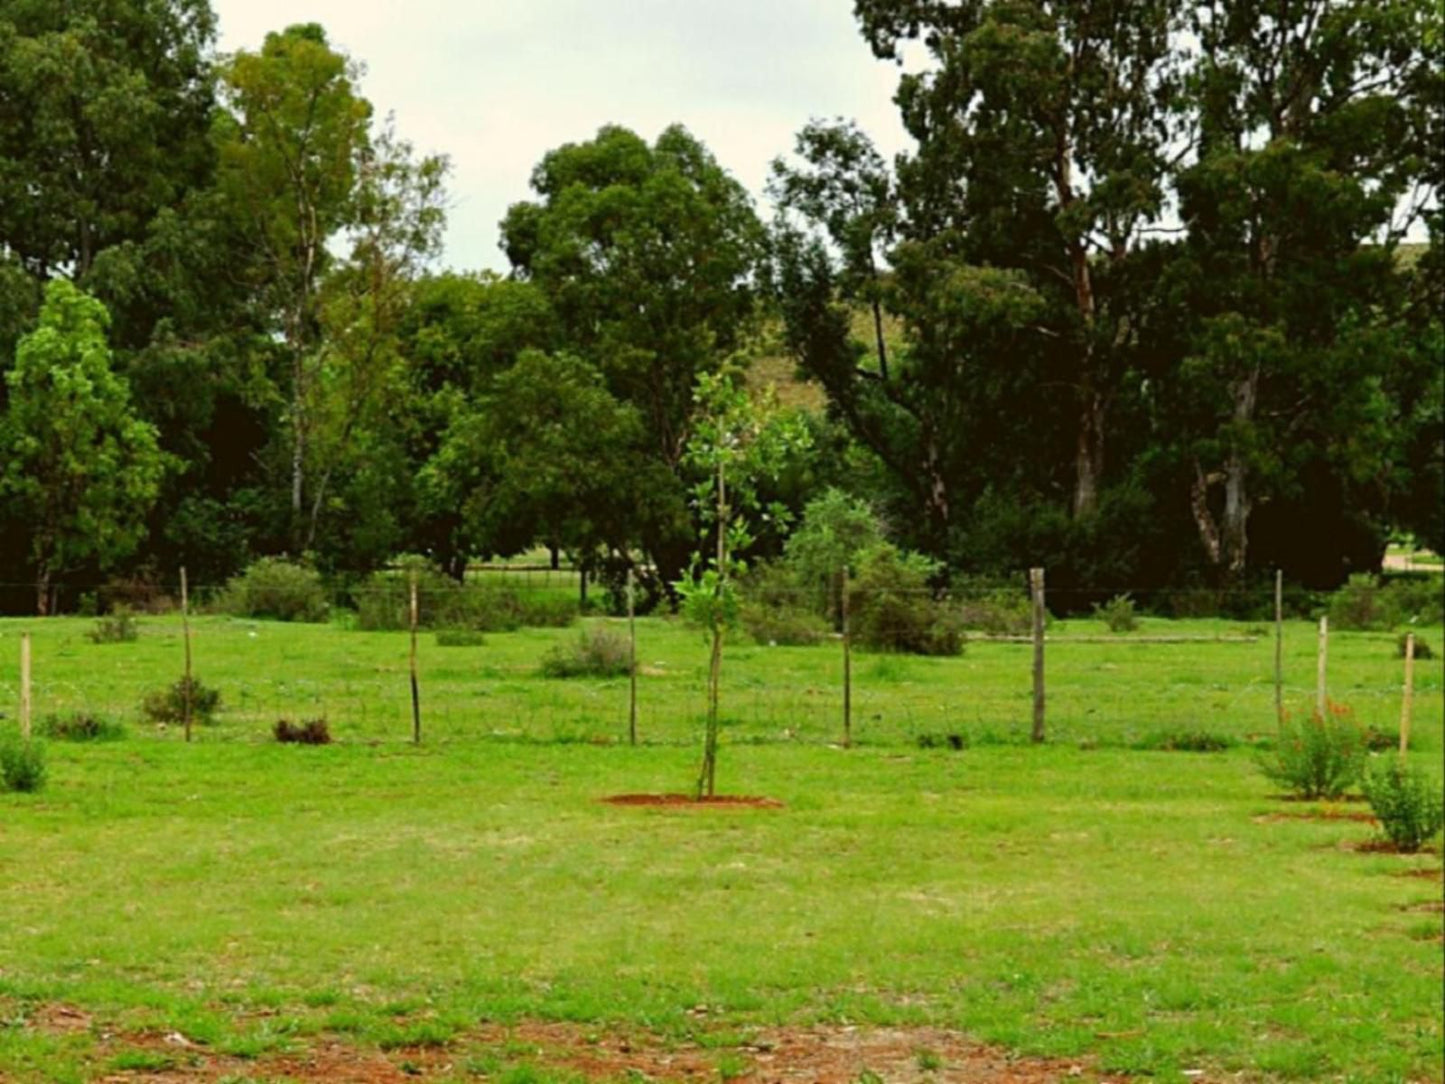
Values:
[(1153, 913)]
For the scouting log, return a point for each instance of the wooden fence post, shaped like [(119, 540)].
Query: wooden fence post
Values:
[(415, 689), (189, 696), (1321, 698), (632, 640), (1278, 644), (1406, 705), (25, 686), (847, 662), (1036, 590)]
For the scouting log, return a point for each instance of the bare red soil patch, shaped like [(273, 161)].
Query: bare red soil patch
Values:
[(802, 1055), (1320, 815), (686, 801), (1422, 873)]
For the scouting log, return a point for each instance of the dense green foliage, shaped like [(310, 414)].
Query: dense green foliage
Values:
[(1144, 303), (1407, 803), (1317, 756)]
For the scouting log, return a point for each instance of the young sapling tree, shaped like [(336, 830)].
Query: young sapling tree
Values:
[(736, 442)]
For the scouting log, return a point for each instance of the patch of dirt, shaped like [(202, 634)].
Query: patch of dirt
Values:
[(784, 1055), (686, 801), (60, 1018), (1425, 907), (1319, 815), (1379, 845), (1423, 873)]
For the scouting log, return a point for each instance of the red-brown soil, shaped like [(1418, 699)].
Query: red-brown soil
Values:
[(685, 801), (802, 1055)]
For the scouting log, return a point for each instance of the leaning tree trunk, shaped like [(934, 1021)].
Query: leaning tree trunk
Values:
[(1226, 541), (1089, 452), (42, 591)]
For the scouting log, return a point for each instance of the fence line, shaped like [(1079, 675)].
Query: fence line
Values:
[(483, 702)]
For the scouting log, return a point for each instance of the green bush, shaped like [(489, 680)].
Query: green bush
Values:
[(1416, 598), (994, 608), (1318, 756), (168, 705), (892, 608), (1407, 802), (311, 732), (782, 626), (1118, 613), (384, 602), (1361, 604), (119, 627), (835, 529), (81, 726), (277, 589), (1422, 648), (460, 638), (22, 765), (597, 652)]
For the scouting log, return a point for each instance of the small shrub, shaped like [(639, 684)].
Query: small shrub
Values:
[(1364, 603), (1187, 741), (597, 652), (1422, 648), (956, 742), (1416, 599), (997, 610), (168, 705), (1407, 802), (81, 726), (788, 626), (1379, 741), (277, 589), (893, 609), (119, 627), (141, 592), (1118, 613), (1317, 757), (22, 765), (460, 638), (384, 602), (310, 732)]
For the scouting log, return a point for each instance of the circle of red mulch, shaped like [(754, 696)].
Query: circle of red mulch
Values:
[(687, 801)]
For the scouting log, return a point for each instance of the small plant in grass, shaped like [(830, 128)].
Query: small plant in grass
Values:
[(597, 652), (1187, 741), (1406, 801), (119, 627), (310, 732), (929, 1061), (460, 638), (278, 589), (1422, 648), (81, 726), (22, 765), (956, 742), (1118, 613), (168, 705), (1317, 756)]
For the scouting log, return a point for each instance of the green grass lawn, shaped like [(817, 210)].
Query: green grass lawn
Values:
[(1150, 911)]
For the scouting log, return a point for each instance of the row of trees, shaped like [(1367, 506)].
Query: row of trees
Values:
[(1136, 306)]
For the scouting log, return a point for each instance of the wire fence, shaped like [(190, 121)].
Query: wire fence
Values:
[(1163, 681)]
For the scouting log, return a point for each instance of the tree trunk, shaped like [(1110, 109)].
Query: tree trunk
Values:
[(1237, 501), (707, 778), (42, 591), (878, 334), (1089, 453), (1227, 543)]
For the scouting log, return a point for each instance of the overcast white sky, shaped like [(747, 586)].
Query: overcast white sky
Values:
[(496, 83)]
